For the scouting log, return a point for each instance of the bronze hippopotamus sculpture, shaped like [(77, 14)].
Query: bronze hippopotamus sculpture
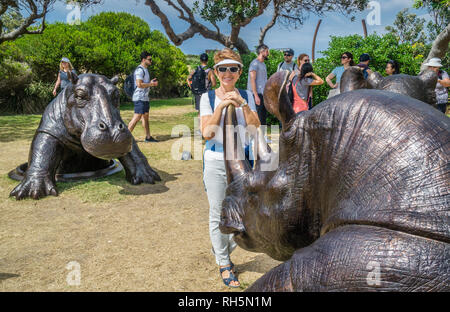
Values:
[(80, 131), (360, 200), (420, 87)]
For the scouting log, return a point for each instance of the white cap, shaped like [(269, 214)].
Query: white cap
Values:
[(228, 62), (434, 62), (65, 59)]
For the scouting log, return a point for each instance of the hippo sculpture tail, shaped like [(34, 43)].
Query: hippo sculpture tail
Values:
[(359, 200), (81, 131)]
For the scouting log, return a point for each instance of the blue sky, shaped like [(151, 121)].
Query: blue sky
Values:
[(333, 24)]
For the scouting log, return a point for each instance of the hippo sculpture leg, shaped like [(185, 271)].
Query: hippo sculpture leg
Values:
[(360, 200), (81, 130)]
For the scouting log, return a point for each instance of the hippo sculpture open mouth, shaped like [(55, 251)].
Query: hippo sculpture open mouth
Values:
[(360, 199), (81, 130)]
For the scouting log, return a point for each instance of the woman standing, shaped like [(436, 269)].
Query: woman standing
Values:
[(65, 68), (392, 68), (346, 61), (301, 87), (443, 83), (228, 68)]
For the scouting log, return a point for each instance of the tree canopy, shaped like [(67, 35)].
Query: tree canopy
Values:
[(13, 24), (240, 13), (108, 44)]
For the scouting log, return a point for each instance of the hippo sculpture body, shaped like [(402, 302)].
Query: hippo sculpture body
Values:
[(81, 130), (359, 201), (420, 87)]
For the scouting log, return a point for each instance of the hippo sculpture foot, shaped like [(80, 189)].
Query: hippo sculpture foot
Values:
[(81, 131)]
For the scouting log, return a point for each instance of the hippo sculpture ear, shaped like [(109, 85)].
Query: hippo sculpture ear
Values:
[(276, 99), (353, 79), (115, 79)]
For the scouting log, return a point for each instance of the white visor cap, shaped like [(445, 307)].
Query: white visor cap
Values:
[(228, 62)]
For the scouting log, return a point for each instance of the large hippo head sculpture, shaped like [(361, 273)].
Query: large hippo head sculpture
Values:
[(80, 131), (92, 115), (420, 87), (362, 184)]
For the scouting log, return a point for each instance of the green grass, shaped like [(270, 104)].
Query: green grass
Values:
[(18, 127)]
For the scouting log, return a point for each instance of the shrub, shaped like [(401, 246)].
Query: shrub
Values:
[(108, 44)]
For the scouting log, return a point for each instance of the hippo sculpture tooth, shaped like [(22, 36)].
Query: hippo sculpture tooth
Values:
[(360, 200), (81, 131)]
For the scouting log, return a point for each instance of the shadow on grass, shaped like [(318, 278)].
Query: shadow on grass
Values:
[(98, 185), (18, 127), (159, 103), (259, 265), (160, 138), (5, 276)]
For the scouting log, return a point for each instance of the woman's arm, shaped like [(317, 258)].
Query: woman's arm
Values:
[(212, 78), (251, 117), (445, 82), (57, 84), (317, 80), (210, 122), (330, 83)]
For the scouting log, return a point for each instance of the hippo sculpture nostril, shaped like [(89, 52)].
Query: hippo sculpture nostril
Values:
[(74, 137)]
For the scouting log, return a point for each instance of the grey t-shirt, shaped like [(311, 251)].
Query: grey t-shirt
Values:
[(302, 86), (141, 94), (261, 76), (287, 66)]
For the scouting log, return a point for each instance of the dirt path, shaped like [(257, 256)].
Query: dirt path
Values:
[(124, 237)]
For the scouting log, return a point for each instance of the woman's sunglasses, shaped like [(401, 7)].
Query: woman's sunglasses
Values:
[(233, 69), (344, 57)]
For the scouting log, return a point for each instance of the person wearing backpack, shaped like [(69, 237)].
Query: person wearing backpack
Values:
[(201, 80), (228, 68), (140, 98), (287, 64)]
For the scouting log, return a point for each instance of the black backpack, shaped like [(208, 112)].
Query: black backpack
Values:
[(198, 81), (129, 84)]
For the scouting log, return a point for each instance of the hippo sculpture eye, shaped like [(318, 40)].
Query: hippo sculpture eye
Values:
[(362, 182)]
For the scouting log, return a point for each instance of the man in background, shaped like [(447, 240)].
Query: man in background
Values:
[(364, 61), (288, 64), (201, 80), (140, 98), (257, 78)]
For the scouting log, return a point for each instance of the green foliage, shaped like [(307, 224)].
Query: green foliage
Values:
[(381, 50), (32, 99), (15, 76), (108, 44), (12, 19), (234, 10), (440, 13), (408, 27)]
